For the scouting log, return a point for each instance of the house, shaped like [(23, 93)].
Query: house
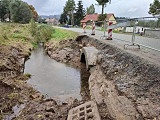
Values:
[(94, 17), (52, 21)]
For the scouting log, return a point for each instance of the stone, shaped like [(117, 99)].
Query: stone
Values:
[(49, 52), (37, 95), (50, 109)]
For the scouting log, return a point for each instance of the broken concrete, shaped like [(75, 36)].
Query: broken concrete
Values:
[(86, 111), (90, 56)]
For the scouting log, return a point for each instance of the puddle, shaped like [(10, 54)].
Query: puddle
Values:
[(51, 78)]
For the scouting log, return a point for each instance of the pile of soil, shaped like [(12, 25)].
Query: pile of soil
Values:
[(14, 90), (132, 77), (67, 51)]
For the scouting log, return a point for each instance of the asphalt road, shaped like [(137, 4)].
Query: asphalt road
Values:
[(141, 40), (119, 40)]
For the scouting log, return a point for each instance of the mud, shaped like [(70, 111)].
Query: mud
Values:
[(127, 86), (67, 51), (124, 77), (14, 90)]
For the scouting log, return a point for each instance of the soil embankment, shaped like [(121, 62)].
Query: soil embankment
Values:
[(129, 85), (14, 90), (124, 86)]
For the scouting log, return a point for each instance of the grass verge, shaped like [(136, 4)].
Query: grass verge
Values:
[(61, 34), (13, 34)]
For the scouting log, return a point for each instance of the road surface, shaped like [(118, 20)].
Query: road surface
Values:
[(119, 40), (146, 41)]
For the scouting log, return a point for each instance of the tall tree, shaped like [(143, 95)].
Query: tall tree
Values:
[(34, 12), (155, 8), (20, 11), (80, 13), (91, 9), (69, 10), (63, 19), (103, 3)]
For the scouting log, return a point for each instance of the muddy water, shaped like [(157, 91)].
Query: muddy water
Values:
[(53, 79)]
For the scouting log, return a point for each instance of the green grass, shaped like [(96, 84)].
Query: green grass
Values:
[(61, 34), (14, 34)]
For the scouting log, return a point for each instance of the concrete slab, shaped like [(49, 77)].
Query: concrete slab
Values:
[(90, 56)]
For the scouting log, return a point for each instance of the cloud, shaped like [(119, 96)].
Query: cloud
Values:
[(132, 9), (126, 8)]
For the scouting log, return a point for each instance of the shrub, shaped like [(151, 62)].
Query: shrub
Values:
[(32, 27), (44, 33)]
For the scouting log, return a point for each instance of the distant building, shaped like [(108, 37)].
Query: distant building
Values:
[(50, 16), (94, 17), (52, 21)]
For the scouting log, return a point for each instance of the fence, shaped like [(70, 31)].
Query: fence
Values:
[(141, 35)]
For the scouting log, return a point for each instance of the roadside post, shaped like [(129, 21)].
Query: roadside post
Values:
[(93, 27), (110, 32), (84, 27), (133, 37)]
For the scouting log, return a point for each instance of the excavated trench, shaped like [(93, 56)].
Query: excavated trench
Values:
[(125, 87), (126, 84)]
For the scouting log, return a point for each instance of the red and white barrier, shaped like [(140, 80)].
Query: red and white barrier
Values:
[(93, 28), (110, 32), (84, 27)]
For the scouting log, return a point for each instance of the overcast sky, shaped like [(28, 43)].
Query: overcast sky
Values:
[(121, 8)]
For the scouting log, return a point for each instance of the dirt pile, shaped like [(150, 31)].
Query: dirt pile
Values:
[(124, 86), (67, 51), (124, 82), (12, 61), (14, 90), (47, 109)]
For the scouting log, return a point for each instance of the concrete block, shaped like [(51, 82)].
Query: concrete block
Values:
[(86, 111)]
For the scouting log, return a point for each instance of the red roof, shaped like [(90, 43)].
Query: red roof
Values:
[(94, 17)]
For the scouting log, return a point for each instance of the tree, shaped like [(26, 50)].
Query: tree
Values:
[(34, 12), (63, 19), (91, 9), (20, 11), (4, 9), (103, 4), (80, 13), (155, 8), (69, 10)]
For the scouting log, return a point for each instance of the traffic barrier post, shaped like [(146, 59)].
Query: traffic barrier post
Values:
[(110, 32), (93, 28), (84, 27)]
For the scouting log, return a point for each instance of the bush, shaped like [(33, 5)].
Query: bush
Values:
[(44, 33), (32, 27)]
